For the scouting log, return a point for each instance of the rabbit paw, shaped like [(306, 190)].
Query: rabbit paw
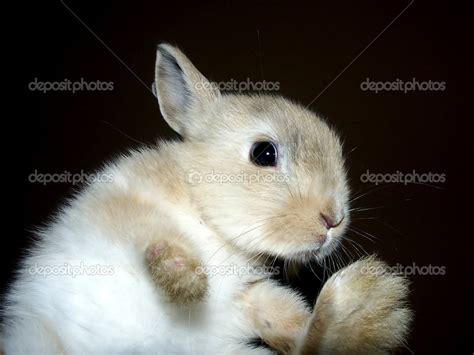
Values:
[(176, 272), (361, 309)]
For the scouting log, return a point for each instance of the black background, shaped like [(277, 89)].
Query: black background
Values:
[(304, 47)]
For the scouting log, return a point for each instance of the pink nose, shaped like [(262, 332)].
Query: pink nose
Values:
[(329, 221)]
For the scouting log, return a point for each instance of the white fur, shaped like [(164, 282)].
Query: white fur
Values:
[(122, 312)]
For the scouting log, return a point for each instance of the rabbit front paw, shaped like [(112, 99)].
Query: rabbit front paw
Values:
[(361, 309), (176, 272)]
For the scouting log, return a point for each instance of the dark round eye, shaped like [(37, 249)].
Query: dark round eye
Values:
[(264, 154)]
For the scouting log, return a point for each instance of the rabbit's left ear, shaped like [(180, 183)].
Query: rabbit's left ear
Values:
[(180, 89)]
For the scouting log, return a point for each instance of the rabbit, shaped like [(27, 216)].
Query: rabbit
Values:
[(254, 178)]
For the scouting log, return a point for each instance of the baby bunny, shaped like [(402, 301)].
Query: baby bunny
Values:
[(187, 232)]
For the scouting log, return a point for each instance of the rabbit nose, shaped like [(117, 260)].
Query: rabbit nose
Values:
[(329, 221)]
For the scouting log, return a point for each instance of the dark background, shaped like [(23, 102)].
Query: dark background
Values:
[(303, 46)]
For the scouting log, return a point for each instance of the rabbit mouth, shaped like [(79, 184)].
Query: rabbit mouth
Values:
[(313, 252), (303, 257)]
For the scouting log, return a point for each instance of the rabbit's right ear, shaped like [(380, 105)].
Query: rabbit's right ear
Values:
[(180, 89)]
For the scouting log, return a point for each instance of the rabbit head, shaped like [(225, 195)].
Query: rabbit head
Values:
[(264, 172)]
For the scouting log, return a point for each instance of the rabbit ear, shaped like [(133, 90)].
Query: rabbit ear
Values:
[(180, 88)]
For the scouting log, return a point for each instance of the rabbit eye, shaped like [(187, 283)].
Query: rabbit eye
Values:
[(264, 154)]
